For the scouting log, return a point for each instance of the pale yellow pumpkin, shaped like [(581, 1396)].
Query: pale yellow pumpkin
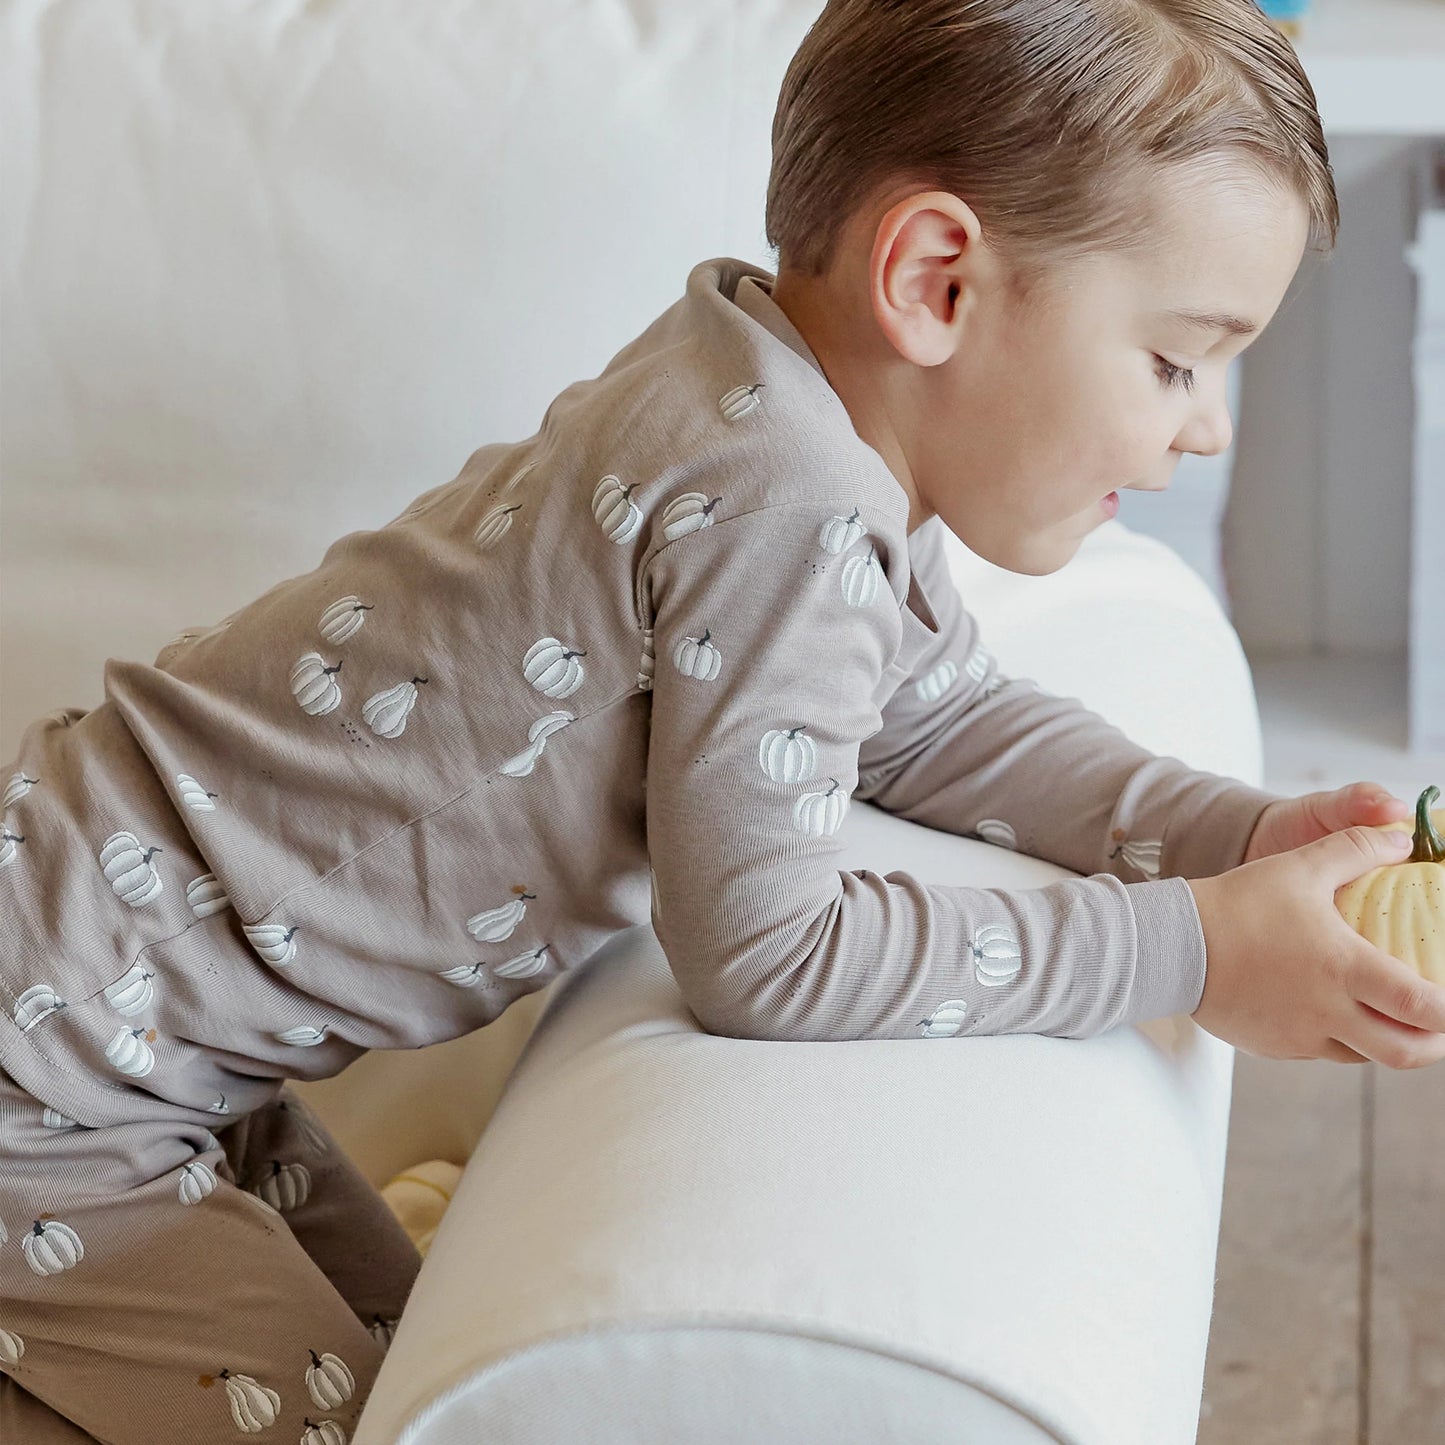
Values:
[(1400, 908)]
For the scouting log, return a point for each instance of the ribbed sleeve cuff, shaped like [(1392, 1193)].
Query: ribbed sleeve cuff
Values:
[(1169, 972)]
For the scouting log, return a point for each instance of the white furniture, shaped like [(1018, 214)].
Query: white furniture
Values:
[(270, 271)]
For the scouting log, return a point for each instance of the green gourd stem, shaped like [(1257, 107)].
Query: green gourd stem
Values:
[(1428, 845)]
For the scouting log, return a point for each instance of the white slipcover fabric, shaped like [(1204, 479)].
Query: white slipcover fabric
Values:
[(271, 268), (862, 1241)]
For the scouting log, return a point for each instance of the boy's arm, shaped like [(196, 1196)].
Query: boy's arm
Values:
[(1001, 758), (771, 654)]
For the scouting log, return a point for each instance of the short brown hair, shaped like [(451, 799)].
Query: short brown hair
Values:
[(1044, 115)]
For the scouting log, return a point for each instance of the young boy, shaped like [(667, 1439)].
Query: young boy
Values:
[(636, 666)]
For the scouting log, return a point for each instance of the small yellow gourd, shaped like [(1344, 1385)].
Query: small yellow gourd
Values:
[(1400, 908)]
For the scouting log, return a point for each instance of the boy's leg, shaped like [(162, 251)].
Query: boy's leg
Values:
[(27, 1421), (146, 1297), (342, 1221)]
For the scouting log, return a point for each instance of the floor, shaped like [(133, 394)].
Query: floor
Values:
[(1329, 1319)]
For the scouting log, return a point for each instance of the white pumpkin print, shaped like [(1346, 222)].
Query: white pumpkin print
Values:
[(1146, 857), (945, 1021), (698, 657), (997, 832), (494, 526), (997, 957), (343, 618), (840, 533), (194, 796), (977, 665), (38, 1001), (52, 1247), (54, 1119), (130, 1051), (420, 505), (179, 640), (314, 685), (197, 1182), (382, 1331), (273, 941), (17, 788), (129, 870), (220, 1106), (523, 966), (254, 1406), (303, 1036), (464, 975), (8, 841), (515, 480), (787, 756), (619, 517), (323, 1432), (688, 513), (12, 1347), (501, 922), (206, 896), (131, 992), (286, 1187), (521, 765), (860, 579), (386, 712), (648, 669), (932, 687), (821, 814), (328, 1380), (740, 401), (552, 667)]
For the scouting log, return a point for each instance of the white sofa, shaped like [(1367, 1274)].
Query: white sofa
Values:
[(272, 268)]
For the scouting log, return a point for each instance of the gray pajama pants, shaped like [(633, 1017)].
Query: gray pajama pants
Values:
[(235, 1284)]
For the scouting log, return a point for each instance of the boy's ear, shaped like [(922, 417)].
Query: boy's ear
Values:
[(923, 274)]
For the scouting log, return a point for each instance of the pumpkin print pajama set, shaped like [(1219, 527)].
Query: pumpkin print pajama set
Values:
[(633, 668)]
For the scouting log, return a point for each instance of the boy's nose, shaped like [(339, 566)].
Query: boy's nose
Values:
[(1208, 434)]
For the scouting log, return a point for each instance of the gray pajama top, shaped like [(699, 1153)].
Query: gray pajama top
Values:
[(637, 665)]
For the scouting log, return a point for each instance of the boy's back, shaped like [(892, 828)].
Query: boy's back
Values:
[(426, 759)]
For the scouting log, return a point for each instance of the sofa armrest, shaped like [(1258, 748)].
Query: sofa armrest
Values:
[(666, 1235)]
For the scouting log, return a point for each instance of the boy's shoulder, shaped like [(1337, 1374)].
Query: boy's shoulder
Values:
[(721, 396)]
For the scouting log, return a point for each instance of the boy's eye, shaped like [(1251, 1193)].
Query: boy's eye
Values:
[(1172, 375)]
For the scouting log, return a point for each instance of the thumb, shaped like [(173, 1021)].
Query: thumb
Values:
[(1342, 857)]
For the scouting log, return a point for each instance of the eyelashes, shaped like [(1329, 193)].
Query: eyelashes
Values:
[(1175, 376)]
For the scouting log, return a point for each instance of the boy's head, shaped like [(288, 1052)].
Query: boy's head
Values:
[(987, 212)]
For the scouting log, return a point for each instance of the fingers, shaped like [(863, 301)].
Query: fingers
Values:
[(1395, 1045), (1334, 1052), (1394, 989)]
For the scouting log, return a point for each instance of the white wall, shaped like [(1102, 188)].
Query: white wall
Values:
[(1316, 531)]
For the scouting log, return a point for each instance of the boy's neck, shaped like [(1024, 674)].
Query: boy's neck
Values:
[(849, 350)]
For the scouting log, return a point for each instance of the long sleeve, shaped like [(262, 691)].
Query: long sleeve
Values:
[(967, 750), (776, 648)]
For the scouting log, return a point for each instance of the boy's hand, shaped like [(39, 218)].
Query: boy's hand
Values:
[(1293, 822), (1288, 978)]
